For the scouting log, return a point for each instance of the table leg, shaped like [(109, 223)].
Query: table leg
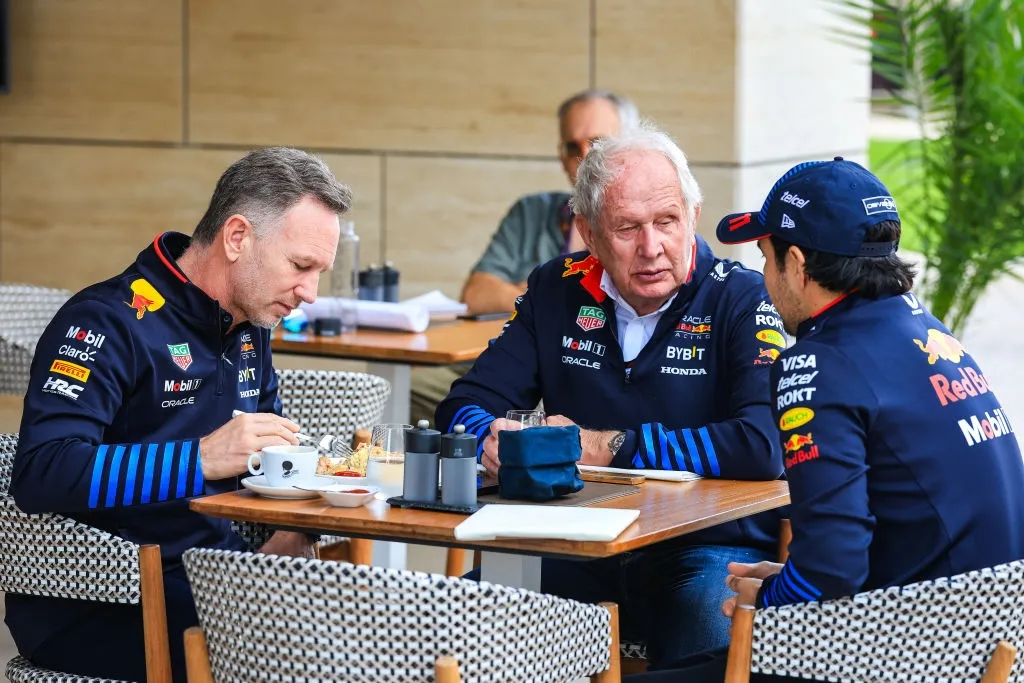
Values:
[(518, 571), (389, 554), (400, 375)]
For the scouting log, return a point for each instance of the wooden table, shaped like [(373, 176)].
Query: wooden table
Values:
[(392, 354), (667, 510)]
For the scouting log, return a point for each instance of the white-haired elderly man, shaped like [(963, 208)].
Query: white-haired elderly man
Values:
[(660, 352), (537, 227)]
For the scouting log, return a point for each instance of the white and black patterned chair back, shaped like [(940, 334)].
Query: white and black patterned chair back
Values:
[(332, 401), (53, 556), (270, 618), (25, 311), (942, 630)]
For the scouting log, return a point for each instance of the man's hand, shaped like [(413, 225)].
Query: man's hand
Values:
[(489, 459), (225, 452), (488, 293), (745, 579), (290, 543), (594, 442)]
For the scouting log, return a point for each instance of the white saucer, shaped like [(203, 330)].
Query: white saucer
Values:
[(258, 485)]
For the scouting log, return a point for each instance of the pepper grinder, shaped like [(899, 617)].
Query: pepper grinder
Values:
[(422, 448), (458, 468)]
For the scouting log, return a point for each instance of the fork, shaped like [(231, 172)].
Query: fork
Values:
[(337, 447)]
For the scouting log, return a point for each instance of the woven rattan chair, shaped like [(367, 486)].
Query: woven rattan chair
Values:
[(270, 618), (634, 654), (963, 628), (332, 401), (53, 556), (24, 313), (339, 403)]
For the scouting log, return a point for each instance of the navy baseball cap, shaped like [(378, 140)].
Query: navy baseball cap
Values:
[(822, 205)]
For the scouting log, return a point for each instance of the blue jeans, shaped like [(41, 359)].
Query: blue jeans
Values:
[(669, 595)]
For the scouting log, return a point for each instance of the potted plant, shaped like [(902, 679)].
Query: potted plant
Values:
[(958, 67)]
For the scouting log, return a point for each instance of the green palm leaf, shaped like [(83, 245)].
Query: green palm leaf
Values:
[(959, 65)]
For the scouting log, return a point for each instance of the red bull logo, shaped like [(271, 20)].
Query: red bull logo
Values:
[(941, 345), (247, 347), (801, 446), (693, 329), (766, 356), (797, 441), (579, 267), (144, 298)]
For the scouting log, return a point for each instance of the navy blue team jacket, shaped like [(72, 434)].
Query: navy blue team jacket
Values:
[(694, 399), (126, 379), (902, 465)]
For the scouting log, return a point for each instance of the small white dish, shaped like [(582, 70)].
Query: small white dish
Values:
[(343, 496), (258, 485), (324, 480)]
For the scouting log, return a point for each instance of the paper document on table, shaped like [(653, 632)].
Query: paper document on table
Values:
[(383, 314), (660, 475), (545, 521), (440, 306)]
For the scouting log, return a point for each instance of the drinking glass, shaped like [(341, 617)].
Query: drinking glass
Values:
[(522, 419), (386, 465)]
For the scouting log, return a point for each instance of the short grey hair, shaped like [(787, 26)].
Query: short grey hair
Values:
[(597, 171), (264, 184), (629, 117)]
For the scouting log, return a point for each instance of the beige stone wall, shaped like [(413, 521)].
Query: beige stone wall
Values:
[(439, 113)]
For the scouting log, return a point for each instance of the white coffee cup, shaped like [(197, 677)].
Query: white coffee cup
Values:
[(286, 465)]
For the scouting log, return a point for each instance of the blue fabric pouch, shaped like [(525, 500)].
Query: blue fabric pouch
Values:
[(539, 463)]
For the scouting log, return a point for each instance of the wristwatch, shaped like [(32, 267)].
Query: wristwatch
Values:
[(615, 443)]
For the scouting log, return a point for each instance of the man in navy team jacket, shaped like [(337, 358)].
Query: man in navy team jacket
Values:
[(133, 385), (660, 352), (902, 464)]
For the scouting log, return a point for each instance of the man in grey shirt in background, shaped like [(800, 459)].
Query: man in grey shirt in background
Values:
[(536, 229)]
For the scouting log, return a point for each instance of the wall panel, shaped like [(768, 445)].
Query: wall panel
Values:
[(95, 69), (443, 212), (440, 75), (74, 215)]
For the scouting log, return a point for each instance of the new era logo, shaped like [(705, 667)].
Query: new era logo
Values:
[(787, 222)]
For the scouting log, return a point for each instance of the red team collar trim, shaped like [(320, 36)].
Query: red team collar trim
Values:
[(167, 261), (592, 282), (593, 270), (832, 303)]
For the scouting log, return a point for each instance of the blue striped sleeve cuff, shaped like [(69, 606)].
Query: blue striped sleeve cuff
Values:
[(787, 587), (477, 421), (689, 450), (140, 473)]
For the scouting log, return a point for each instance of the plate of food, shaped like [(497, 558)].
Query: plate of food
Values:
[(351, 470)]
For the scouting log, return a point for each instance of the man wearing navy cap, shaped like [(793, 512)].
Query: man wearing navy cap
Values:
[(902, 464)]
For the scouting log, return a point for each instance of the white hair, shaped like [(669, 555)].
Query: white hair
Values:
[(598, 170)]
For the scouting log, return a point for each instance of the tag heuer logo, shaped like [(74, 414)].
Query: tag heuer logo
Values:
[(590, 318), (180, 354)]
